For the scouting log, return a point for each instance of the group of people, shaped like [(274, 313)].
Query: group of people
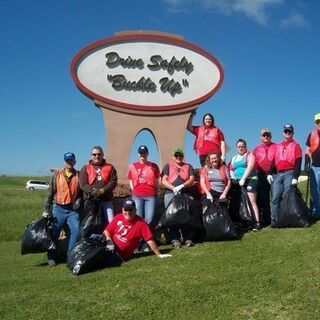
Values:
[(266, 172)]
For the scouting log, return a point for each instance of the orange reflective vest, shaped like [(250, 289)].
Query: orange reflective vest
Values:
[(66, 192), (105, 172), (314, 141), (175, 171), (213, 134), (146, 173), (204, 174)]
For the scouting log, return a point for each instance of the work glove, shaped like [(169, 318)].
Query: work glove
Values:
[(269, 178), (177, 189), (294, 182), (110, 245), (164, 255), (242, 182), (307, 163), (209, 197), (96, 193), (46, 214)]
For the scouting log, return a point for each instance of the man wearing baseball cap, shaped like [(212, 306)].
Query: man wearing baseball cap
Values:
[(312, 166), (285, 168), (263, 163), (177, 177), (126, 230), (63, 203), (144, 182)]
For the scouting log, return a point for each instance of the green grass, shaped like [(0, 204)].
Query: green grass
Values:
[(272, 274)]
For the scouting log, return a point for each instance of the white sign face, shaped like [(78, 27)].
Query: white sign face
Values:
[(147, 73)]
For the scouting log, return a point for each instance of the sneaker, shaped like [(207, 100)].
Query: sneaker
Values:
[(176, 244), (189, 243), (144, 248), (256, 227), (51, 263)]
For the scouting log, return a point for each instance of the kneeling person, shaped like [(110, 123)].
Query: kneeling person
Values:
[(126, 230)]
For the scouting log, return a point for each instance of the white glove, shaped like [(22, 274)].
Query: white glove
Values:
[(110, 245), (294, 182), (46, 214), (209, 197), (178, 188), (242, 182), (163, 256), (269, 178)]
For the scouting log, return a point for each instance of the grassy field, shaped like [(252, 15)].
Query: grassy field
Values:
[(272, 274)]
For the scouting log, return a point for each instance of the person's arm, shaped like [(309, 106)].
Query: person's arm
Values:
[(226, 190), (51, 193), (83, 181), (250, 166), (166, 183), (297, 168), (113, 180), (189, 124), (203, 186), (153, 246), (223, 150)]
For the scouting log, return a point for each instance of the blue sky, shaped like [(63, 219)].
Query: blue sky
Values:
[(269, 50)]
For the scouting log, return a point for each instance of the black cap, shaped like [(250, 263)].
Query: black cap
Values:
[(69, 156), (143, 149), (129, 204), (288, 127)]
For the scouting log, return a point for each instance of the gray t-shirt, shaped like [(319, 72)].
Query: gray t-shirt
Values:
[(216, 182)]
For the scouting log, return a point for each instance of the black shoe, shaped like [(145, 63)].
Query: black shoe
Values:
[(256, 227)]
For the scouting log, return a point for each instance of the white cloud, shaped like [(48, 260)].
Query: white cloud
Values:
[(252, 9), (295, 20)]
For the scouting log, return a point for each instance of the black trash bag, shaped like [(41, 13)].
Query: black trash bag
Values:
[(246, 212), (38, 237), (293, 211), (94, 221), (177, 212), (90, 255), (217, 222)]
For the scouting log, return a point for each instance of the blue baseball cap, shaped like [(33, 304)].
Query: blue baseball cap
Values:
[(69, 156), (129, 204)]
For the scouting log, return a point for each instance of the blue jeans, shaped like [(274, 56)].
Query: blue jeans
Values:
[(63, 215), (315, 191), (107, 210), (174, 232), (281, 184), (146, 207)]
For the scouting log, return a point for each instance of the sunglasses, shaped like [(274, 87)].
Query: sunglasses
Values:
[(178, 156), (287, 131), (96, 154), (129, 210), (266, 135), (317, 122)]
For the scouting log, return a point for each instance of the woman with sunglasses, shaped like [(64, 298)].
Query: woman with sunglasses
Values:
[(97, 180), (178, 176), (215, 180), (243, 170), (286, 158), (209, 138)]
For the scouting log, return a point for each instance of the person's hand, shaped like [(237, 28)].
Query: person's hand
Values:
[(294, 182), (96, 193), (209, 197), (110, 245), (46, 214), (95, 236), (234, 182), (177, 189), (242, 182), (269, 178), (164, 255), (223, 159)]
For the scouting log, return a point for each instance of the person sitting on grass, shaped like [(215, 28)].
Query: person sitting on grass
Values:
[(126, 230)]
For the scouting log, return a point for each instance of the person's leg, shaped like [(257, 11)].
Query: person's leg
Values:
[(73, 223), (149, 209), (107, 210), (59, 216), (140, 205), (252, 195), (315, 191), (277, 190), (263, 199), (287, 179)]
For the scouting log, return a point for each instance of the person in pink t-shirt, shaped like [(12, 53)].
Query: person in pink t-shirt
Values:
[(209, 138), (126, 230)]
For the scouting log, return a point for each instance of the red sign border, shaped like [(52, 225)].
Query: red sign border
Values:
[(144, 37)]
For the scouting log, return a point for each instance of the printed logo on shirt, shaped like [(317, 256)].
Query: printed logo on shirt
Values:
[(122, 231)]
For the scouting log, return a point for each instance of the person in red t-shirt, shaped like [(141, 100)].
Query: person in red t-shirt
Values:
[(126, 231), (209, 138), (263, 162), (285, 159)]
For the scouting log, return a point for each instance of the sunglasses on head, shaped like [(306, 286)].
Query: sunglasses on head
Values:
[(96, 154)]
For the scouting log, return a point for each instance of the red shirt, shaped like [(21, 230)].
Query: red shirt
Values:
[(262, 159), (143, 189), (126, 235), (209, 145)]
